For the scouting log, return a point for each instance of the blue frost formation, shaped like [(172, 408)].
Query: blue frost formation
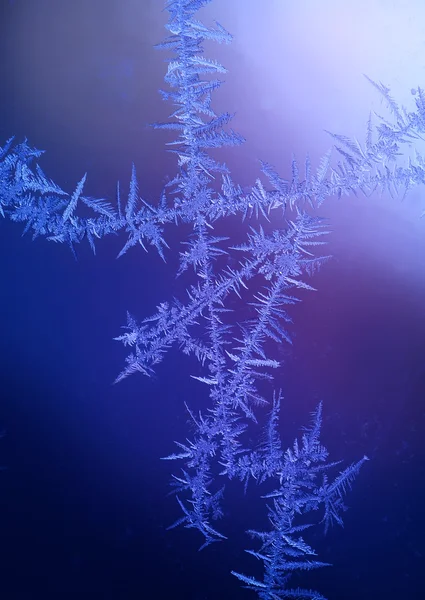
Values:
[(273, 264)]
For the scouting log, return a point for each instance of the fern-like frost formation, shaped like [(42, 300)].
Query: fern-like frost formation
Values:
[(270, 266)]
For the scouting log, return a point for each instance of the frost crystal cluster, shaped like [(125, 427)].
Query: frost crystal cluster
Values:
[(268, 268)]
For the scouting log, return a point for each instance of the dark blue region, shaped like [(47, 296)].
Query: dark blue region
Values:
[(84, 506)]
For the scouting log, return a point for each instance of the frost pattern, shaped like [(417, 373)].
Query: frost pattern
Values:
[(272, 265)]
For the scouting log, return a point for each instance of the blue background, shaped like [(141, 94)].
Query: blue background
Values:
[(83, 500)]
